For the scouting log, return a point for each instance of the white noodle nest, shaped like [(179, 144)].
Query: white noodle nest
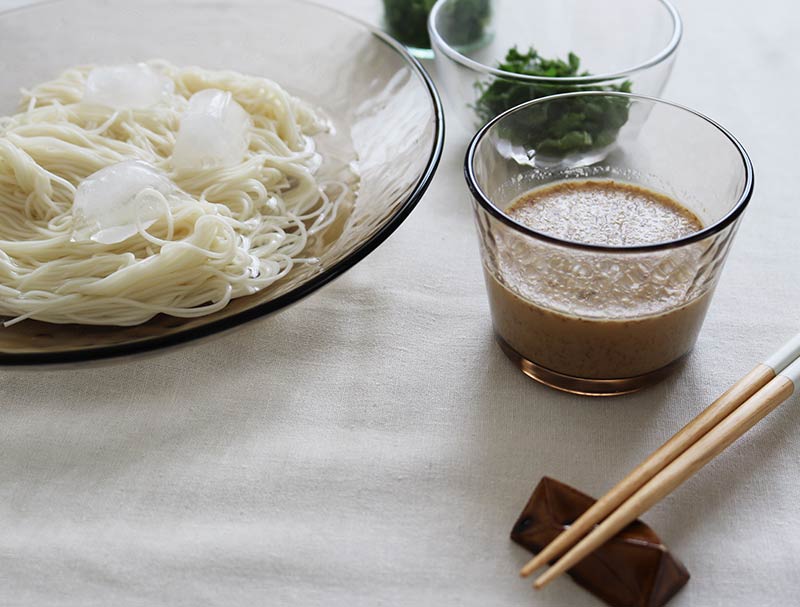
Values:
[(225, 233)]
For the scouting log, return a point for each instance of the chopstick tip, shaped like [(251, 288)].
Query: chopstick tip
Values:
[(531, 566), (544, 579), (525, 571)]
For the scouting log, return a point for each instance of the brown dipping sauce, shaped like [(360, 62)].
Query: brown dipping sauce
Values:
[(595, 315), (608, 213)]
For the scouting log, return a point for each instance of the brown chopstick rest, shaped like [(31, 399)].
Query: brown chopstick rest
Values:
[(633, 569)]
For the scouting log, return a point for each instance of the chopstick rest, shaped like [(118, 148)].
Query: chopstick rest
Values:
[(633, 569)]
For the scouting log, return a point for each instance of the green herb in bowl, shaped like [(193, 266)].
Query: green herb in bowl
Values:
[(407, 20), (577, 124)]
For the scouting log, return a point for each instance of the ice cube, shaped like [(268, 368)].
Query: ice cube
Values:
[(109, 201), (135, 86), (214, 132)]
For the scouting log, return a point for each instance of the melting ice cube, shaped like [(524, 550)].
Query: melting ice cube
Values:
[(213, 133), (109, 201), (134, 86)]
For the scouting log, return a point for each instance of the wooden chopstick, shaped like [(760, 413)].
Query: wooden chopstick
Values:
[(684, 466), (710, 417), (729, 401)]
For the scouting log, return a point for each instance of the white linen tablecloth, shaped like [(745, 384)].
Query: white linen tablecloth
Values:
[(372, 445)]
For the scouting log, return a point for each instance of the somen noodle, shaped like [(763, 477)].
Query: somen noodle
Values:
[(223, 231)]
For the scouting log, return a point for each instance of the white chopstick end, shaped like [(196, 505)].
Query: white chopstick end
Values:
[(792, 373), (785, 355)]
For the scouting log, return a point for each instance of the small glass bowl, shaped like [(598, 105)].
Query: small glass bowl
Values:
[(598, 319), (625, 45)]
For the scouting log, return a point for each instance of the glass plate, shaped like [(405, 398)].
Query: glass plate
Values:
[(385, 109)]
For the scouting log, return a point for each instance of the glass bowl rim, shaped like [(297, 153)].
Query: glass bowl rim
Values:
[(736, 210), (438, 43), (160, 343)]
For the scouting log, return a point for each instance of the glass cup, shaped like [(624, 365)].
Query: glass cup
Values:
[(620, 45), (592, 319), (407, 21)]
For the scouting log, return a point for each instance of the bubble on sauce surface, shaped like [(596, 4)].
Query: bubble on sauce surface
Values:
[(109, 202), (214, 132), (135, 86)]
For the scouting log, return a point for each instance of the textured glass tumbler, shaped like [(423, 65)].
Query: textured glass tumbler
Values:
[(593, 319)]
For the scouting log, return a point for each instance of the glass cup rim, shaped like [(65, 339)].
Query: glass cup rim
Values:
[(736, 210), (439, 43)]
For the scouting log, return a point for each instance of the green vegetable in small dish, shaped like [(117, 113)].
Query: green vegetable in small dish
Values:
[(573, 125), (407, 20)]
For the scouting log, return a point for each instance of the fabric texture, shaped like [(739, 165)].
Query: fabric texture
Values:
[(372, 445)]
